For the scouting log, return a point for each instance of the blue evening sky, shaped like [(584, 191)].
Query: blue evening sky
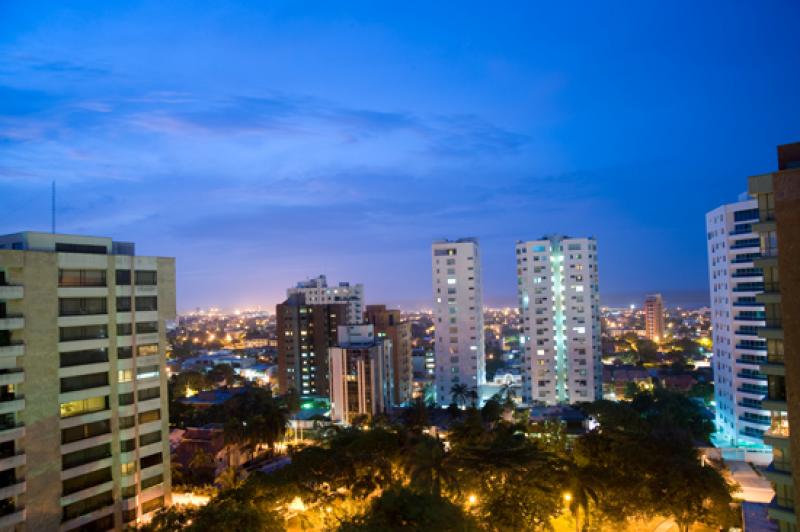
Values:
[(264, 142)]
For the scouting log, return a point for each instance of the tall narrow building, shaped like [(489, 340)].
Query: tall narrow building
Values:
[(317, 292), (305, 332), (654, 317), (390, 324), (458, 316), (736, 316), (84, 420), (559, 305), (361, 373), (778, 196)]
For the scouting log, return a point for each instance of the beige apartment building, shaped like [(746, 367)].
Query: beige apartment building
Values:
[(84, 420)]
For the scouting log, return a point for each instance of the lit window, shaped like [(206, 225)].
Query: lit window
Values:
[(451, 281)]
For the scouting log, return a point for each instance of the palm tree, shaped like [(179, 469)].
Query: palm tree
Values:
[(459, 393), (427, 467), (473, 397), (228, 479)]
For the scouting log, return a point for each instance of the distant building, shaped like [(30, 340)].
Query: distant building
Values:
[(778, 197), (208, 442), (389, 324), (361, 373), (654, 318), (317, 292), (559, 305), (305, 332), (734, 281), (85, 421), (458, 316)]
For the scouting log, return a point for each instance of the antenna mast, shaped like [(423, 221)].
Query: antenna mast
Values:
[(53, 206)]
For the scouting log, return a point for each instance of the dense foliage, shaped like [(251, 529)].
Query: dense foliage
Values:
[(493, 473)]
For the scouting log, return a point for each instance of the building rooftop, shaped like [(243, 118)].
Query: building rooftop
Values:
[(59, 242)]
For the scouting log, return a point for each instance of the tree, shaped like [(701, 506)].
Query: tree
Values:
[(415, 417), (222, 373), (491, 411), (255, 417), (427, 468), (459, 394), (582, 489), (402, 509)]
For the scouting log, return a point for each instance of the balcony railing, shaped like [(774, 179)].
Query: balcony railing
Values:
[(753, 376), (771, 287), (755, 421)]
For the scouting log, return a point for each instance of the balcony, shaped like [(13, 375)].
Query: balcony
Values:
[(11, 323), (11, 292), (770, 294), (11, 431), (755, 421), (751, 376), (11, 376), (13, 461), (12, 350), (8, 521), (753, 361), (747, 331), (12, 490), (772, 329), (749, 287), (753, 390), (13, 404)]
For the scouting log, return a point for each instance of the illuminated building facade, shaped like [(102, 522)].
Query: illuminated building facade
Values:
[(317, 292), (458, 316), (361, 373), (84, 420), (654, 317), (390, 324), (305, 332), (559, 305), (736, 316), (778, 197)]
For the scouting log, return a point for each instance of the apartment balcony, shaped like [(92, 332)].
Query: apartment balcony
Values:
[(778, 476), (12, 351), (8, 521), (751, 361), (12, 376), (13, 404), (759, 391), (760, 422), (12, 490), (773, 368), (762, 348), (774, 405), (12, 432), (752, 376), (765, 223), (746, 304), (11, 292), (771, 293), (772, 329), (751, 332), (755, 287), (11, 323), (12, 461)]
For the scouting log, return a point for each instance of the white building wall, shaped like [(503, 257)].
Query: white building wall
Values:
[(733, 284), (317, 291), (458, 316), (559, 305)]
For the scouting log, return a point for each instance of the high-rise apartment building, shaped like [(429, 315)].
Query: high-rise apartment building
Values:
[(305, 332), (317, 292), (559, 305), (736, 316), (778, 197), (654, 317), (390, 324), (458, 316), (84, 420), (361, 373)]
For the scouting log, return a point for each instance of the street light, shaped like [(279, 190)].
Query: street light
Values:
[(472, 499), (567, 497)]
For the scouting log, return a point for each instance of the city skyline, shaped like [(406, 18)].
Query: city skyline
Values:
[(227, 147)]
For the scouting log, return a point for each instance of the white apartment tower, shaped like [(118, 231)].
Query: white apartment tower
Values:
[(559, 305), (736, 316), (317, 292), (458, 316), (84, 419)]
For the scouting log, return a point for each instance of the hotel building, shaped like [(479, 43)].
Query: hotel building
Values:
[(778, 225), (317, 292), (736, 316), (559, 305), (361, 373), (458, 316), (84, 422)]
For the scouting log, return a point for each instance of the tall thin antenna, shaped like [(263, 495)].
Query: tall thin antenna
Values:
[(53, 206)]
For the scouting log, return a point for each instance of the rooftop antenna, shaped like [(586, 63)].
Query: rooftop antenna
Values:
[(53, 206)]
